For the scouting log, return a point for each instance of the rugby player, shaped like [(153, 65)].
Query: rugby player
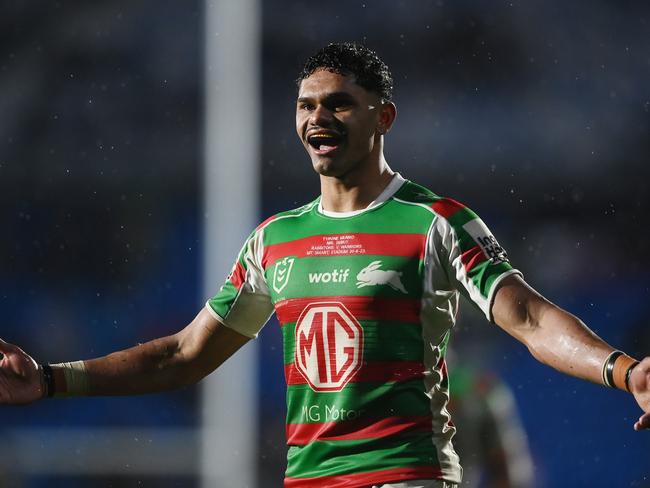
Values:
[(365, 281)]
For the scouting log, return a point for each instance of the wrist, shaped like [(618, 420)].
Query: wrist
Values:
[(47, 380), (617, 370), (64, 379), (628, 374)]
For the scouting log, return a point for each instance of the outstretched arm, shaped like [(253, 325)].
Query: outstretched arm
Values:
[(562, 341), (162, 364)]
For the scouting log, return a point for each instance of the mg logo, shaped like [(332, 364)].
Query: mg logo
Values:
[(329, 345)]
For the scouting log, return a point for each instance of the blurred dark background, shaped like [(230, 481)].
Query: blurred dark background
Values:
[(536, 115)]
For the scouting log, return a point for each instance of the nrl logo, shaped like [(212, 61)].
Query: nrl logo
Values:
[(371, 275), (281, 273)]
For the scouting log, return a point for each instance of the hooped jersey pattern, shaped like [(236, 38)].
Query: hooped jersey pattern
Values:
[(366, 302)]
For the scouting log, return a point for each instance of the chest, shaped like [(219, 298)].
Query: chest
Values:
[(346, 264)]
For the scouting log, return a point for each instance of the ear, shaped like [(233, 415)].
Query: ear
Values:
[(374, 265), (386, 117)]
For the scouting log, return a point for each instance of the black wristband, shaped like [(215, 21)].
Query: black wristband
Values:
[(608, 369), (48, 379), (628, 373)]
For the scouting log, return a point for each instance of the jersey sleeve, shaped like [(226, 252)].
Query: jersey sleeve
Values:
[(243, 303), (475, 263)]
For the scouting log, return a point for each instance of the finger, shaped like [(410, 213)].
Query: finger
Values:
[(643, 422), (5, 347), (4, 390)]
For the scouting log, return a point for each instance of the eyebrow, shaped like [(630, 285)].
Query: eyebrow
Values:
[(345, 96)]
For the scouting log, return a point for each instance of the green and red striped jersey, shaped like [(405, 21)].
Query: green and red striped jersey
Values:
[(366, 301)]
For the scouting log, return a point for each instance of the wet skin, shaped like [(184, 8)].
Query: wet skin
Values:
[(339, 123)]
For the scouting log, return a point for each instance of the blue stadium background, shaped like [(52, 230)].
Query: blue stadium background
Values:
[(537, 115)]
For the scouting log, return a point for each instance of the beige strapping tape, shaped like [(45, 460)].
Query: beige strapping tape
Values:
[(76, 378)]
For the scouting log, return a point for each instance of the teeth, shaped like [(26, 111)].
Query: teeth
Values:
[(323, 141)]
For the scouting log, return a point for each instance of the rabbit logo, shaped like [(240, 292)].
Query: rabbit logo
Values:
[(371, 275)]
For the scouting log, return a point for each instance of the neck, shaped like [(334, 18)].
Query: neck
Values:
[(357, 189)]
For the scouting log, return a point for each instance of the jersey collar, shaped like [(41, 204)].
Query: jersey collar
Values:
[(392, 187)]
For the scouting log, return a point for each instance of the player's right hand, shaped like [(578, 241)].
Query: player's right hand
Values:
[(20, 376), (640, 388)]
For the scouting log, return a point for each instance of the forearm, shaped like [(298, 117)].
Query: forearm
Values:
[(565, 343), (561, 340), (163, 364), (554, 336), (151, 367)]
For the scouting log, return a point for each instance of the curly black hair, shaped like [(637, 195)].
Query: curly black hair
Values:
[(349, 58)]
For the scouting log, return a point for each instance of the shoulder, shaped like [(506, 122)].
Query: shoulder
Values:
[(289, 215), (411, 192), (445, 207)]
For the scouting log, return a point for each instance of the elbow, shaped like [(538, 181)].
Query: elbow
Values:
[(540, 342), (538, 351), (529, 330), (524, 314), (186, 358), (525, 323), (176, 362)]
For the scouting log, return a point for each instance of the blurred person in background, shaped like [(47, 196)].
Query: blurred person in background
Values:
[(490, 439), (365, 280)]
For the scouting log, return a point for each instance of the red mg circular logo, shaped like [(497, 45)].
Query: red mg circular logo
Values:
[(329, 345)]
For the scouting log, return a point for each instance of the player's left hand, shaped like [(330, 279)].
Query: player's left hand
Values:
[(640, 387)]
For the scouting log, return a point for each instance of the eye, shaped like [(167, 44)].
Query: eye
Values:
[(306, 106)]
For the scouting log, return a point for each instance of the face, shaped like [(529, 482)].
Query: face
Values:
[(338, 122)]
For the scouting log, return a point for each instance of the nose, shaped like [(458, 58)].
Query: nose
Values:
[(320, 116)]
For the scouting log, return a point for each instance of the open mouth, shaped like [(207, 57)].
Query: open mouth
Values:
[(325, 142)]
